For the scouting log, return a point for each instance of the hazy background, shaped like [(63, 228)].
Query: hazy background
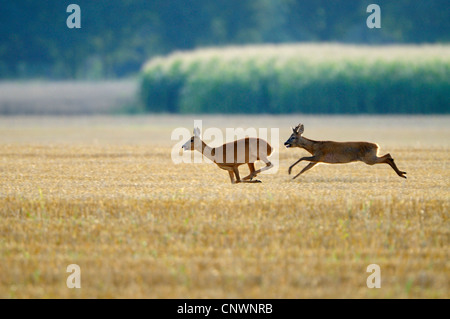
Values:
[(118, 36)]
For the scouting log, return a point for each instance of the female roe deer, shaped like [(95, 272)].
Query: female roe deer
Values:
[(337, 152), (231, 155)]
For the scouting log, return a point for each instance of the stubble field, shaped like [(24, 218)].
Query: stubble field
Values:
[(103, 193)]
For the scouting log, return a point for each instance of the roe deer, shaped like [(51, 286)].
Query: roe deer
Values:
[(336, 152), (231, 155)]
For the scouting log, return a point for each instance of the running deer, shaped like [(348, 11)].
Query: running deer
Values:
[(336, 152), (231, 155)]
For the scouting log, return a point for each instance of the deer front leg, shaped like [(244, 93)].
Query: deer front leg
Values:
[(307, 167), (232, 177), (310, 158), (236, 173)]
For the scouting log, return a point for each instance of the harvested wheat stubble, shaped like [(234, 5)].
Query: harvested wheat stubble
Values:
[(111, 201)]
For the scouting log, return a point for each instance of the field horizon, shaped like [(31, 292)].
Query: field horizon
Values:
[(103, 193)]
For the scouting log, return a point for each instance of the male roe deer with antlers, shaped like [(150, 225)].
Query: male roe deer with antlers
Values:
[(231, 155), (336, 152)]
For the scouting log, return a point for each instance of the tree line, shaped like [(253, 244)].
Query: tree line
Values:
[(117, 36)]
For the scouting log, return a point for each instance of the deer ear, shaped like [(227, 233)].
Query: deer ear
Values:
[(300, 129), (196, 131)]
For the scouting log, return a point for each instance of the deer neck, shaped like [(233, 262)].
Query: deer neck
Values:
[(307, 144), (206, 150)]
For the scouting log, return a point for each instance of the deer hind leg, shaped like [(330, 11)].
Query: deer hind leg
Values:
[(389, 160), (307, 167), (251, 167), (384, 159), (236, 172), (249, 178), (269, 165)]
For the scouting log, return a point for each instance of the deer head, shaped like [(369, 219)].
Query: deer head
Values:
[(193, 141), (295, 136)]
